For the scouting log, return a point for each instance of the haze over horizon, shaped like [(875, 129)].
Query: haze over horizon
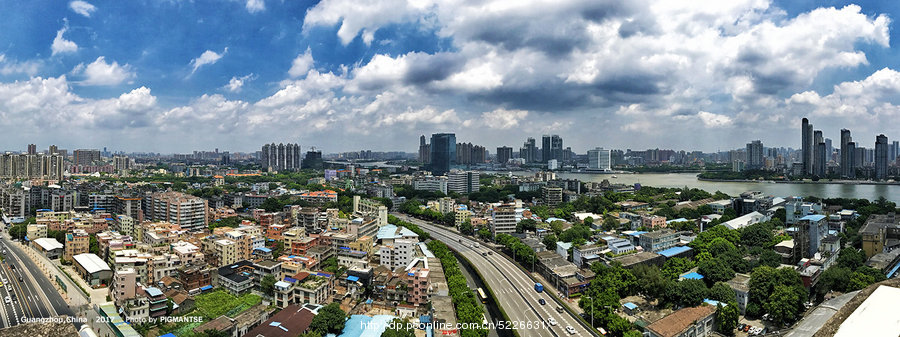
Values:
[(341, 75)]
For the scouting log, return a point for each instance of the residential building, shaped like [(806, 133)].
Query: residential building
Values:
[(463, 182), (741, 286), (503, 220), (880, 234), (686, 322), (812, 229), (281, 157), (77, 242), (236, 278), (653, 221), (319, 197), (552, 196), (619, 246), (659, 240), (585, 255), (36, 231), (227, 251), (178, 208), (881, 157), (397, 254), (431, 183)]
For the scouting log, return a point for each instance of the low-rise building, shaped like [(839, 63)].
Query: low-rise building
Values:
[(741, 286), (586, 255), (51, 248), (659, 240), (92, 269), (236, 278), (687, 322)]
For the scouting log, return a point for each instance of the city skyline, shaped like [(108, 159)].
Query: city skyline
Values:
[(170, 76)]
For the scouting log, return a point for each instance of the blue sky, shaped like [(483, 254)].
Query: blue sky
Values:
[(176, 76)]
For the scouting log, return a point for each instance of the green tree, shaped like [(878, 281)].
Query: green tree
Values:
[(689, 293), (715, 270), (526, 225), (485, 234), (467, 228), (398, 328), (277, 248), (556, 227), (610, 223), (727, 318), (549, 241), (769, 258), (674, 267), (757, 235), (267, 284), (329, 320), (851, 258), (722, 292), (272, 205), (782, 305), (650, 280)]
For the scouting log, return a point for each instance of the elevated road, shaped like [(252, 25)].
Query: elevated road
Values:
[(513, 288)]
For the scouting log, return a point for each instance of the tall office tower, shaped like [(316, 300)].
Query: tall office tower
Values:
[(881, 157), (851, 160), (504, 153), (829, 150), (32, 149), (280, 157), (755, 158), (424, 151), (551, 148), (529, 151), (599, 159), (313, 160), (859, 157), (893, 151), (846, 161), (53, 150), (86, 157), (819, 154), (443, 153), (807, 147)]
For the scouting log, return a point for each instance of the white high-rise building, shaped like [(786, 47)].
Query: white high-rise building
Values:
[(599, 159)]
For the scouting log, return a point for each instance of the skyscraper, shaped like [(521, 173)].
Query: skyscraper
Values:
[(881, 157), (504, 153), (443, 153), (818, 154), (755, 158), (280, 157), (599, 159), (529, 151), (86, 157), (829, 150), (851, 162), (893, 151), (424, 151), (807, 146), (847, 155), (551, 148), (32, 149)]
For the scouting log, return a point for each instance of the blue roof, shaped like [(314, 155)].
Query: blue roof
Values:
[(264, 249), (352, 278), (638, 233), (204, 288), (814, 217), (713, 302), (674, 251), (168, 335), (290, 279), (693, 276), (153, 291), (630, 305)]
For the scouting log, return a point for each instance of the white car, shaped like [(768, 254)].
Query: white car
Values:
[(551, 321), (7, 300), (570, 330)]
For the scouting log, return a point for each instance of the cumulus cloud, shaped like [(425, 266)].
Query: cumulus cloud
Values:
[(82, 7), (301, 64), (712, 120), (9, 66), (237, 83), (61, 45), (208, 57), (256, 6), (501, 118), (100, 72)]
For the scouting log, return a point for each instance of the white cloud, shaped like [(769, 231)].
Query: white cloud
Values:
[(100, 72), (82, 7), (256, 6), (208, 57), (503, 119), (9, 66), (61, 45), (237, 83), (301, 64), (712, 120)]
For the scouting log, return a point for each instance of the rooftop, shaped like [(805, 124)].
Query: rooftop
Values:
[(875, 316), (291, 321), (674, 251), (91, 263), (680, 320)]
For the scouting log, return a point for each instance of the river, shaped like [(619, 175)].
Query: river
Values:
[(871, 192)]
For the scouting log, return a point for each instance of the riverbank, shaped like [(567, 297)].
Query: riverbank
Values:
[(808, 182)]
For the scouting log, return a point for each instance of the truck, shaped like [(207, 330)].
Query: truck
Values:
[(538, 287)]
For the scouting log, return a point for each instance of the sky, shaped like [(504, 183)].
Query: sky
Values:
[(175, 76)]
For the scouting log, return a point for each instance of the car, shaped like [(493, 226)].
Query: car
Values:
[(7, 300), (541, 301), (490, 253), (559, 309), (551, 321), (483, 254), (570, 330)]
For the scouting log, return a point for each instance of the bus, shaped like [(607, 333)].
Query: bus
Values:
[(481, 295)]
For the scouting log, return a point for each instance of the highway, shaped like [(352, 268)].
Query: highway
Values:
[(30, 293), (512, 287)]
